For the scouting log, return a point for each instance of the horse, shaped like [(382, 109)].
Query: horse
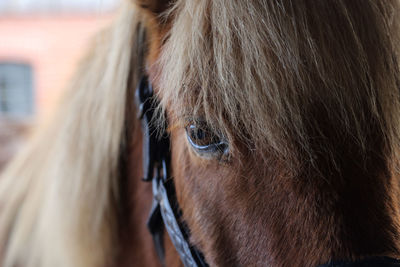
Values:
[(280, 130)]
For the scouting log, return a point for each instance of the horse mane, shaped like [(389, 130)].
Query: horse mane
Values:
[(281, 74), (57, 196)]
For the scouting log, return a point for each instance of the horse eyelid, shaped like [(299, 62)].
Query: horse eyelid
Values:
[(217, 149)]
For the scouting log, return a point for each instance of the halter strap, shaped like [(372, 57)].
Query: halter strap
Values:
[(165, 211)]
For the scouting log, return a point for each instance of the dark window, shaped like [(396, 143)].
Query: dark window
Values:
[(16, 90)]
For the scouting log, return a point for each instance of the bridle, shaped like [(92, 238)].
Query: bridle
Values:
[(165, 211)]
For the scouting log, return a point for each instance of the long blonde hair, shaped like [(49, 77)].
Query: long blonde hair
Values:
[(56, 196)]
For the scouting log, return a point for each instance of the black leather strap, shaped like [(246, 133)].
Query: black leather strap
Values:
[(165, 210), (164, 194)]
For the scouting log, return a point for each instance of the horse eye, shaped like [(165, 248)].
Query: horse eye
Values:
[(205, 141), (200, 135)]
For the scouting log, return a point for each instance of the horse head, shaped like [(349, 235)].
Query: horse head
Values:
[(282, 120)]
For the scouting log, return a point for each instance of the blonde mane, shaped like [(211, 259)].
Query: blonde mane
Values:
[(56, 197)]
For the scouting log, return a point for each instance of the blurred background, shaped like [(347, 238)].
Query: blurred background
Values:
[(41, 42)]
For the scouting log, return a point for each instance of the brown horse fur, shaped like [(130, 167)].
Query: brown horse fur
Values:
[(306, 94)]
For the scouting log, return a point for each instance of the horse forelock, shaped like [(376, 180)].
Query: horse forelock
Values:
[(280, 75)]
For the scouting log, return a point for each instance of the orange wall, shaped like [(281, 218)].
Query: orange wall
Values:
[(52, 45)]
